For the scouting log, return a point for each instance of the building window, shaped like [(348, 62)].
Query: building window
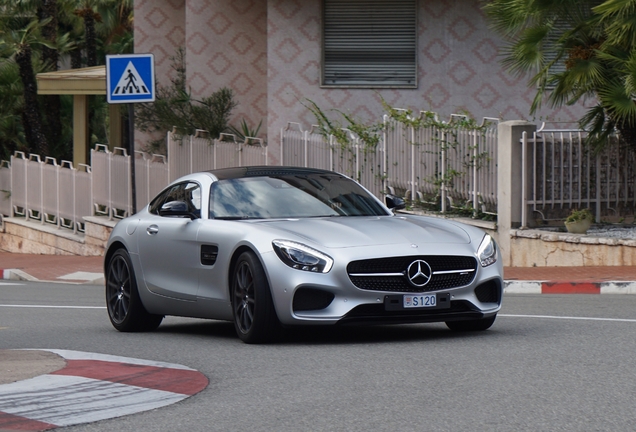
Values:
[(369, 43)]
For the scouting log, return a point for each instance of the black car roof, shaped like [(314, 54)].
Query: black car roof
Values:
[(261, 171)]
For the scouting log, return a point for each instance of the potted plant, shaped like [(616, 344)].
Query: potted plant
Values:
[(579, 221)]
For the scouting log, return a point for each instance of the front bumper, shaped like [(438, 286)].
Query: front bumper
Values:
[(348, 304)]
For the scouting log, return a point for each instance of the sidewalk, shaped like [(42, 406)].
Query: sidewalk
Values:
[(546, 280)]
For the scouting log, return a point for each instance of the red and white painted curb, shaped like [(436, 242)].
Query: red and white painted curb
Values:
[(94, 387), (546, 287)]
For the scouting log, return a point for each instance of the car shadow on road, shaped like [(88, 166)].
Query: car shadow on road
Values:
[(329, 335)]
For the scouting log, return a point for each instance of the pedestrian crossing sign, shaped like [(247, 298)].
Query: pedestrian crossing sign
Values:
[(130, 78)]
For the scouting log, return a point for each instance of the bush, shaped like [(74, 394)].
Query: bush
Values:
[(174, 106)]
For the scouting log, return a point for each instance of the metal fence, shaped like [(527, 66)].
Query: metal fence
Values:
[(449, 166), (562, 173), (62, 195)]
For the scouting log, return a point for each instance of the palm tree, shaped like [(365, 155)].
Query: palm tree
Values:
[(11, 103), (50, 56), (90, 16), (575, 50), (19, 44)]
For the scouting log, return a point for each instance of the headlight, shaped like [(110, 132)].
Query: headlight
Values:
[(487, 251), (302, 257)]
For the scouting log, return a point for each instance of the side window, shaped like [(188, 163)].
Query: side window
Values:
[(188, 192), (160, 200)]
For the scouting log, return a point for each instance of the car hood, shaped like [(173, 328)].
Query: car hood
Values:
[(340, 232)]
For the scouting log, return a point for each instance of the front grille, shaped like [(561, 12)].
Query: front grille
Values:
[(371, 274)]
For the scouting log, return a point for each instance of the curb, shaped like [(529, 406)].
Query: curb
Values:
[(19, 275), (510, 286), (93, 387), (15, 274), (547, 287)]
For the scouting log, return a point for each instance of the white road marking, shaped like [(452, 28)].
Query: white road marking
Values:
[(9, 283), (68, 400), (52, 306), (81, 355), (568, 318)]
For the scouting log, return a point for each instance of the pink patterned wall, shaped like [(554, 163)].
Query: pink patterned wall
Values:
[(160, 30), (226, 45), (269, 52)]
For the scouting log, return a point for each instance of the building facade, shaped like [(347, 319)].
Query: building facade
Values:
[(275, 55)]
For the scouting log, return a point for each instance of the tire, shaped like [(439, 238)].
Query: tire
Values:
[(472, 325), (255, 319), (125, 310)]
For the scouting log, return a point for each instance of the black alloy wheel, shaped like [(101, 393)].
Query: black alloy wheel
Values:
[(255, 319), (125, 310)]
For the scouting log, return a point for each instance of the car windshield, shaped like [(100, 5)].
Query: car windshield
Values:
[(291, 196)]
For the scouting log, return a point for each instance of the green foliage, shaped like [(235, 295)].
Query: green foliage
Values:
[(20, 28), (369, 134), (594, 39), (577, 215), (174, 106), (445, 138), (244, 131)]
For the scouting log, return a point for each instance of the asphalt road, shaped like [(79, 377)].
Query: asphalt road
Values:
[(549, 363)]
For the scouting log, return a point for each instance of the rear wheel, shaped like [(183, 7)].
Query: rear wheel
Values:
[(255, 319), (125, 310), (472, 325)]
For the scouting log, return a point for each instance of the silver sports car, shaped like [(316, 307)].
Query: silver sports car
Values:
[(271, 246)]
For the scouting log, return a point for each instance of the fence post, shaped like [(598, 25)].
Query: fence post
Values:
[(510, 182)]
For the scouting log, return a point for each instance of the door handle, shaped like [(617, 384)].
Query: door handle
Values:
[(152, 229)]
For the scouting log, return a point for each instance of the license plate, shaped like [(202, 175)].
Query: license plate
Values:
[(419, 301), (401, 302)]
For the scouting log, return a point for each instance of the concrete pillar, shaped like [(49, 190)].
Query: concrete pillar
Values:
[(509, 181), (80, 130)]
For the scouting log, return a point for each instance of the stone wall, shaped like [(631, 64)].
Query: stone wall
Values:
[(537, 248), (20, 236)]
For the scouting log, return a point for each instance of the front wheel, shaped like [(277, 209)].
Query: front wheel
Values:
[(472, 325), (125, 310), (255, 319)]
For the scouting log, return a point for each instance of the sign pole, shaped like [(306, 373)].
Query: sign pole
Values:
[(131, 147), (130, 79)]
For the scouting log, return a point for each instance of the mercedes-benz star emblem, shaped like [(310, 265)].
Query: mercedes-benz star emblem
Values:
[(419, 273)]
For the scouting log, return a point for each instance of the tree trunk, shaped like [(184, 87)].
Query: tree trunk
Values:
[(38, 142), (49, 32), (52, 104), (91, 43), (76, 58), (628, 136)]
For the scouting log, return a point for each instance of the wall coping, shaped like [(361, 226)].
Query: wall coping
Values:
[(487, 225), (551, 236)]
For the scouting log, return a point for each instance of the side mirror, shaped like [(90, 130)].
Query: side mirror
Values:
[(394, 202), (176, 208)]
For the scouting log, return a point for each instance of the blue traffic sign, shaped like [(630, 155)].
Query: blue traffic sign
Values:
[(130, 78)]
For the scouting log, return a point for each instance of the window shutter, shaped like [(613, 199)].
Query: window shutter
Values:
[(370, 43), (551, 41)]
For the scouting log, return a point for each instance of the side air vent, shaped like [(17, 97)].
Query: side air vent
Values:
[(209, 254), (489, 292), (306, 299)]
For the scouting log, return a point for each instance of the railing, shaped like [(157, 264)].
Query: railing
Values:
[(61, 195), (45, 191), (453, 166), (563, 173)]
